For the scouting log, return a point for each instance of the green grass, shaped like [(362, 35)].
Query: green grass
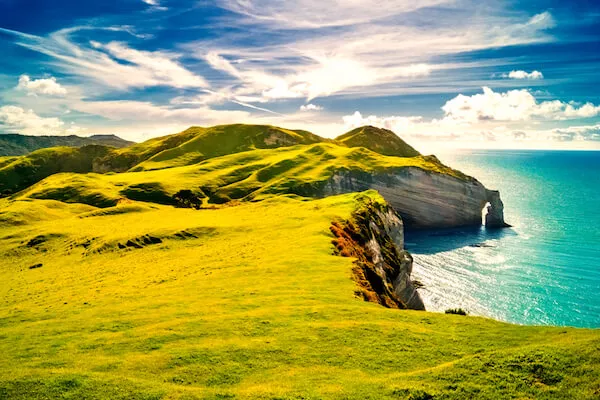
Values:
[(244, 302)]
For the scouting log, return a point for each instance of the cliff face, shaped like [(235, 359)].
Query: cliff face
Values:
[(425, 199), (375, 237)]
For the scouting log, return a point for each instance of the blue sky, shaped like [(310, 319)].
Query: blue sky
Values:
[(443, 73)]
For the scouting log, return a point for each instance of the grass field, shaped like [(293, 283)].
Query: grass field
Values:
[(146, 301)]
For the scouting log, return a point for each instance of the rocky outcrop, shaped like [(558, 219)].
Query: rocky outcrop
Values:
[(425, 199), (495, 211), (375, 237)]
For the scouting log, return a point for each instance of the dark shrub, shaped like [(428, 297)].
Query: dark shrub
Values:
[(457, 311), (185, 198)]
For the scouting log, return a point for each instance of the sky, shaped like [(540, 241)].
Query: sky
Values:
[(439, 73)]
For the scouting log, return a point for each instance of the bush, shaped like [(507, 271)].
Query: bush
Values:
[(457, 311), (187, 199)]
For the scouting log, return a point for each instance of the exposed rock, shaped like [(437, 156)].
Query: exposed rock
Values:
[(36, 266), (495, 211), (425, 199), (374, 236)]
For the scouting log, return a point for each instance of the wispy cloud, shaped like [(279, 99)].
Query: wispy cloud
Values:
[(113, 64), (323, 13), (315, 60), (155, 5)]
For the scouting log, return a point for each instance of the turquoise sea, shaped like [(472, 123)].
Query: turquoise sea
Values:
[(546, 269)]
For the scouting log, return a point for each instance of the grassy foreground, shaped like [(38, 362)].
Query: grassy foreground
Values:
[(144, 301)]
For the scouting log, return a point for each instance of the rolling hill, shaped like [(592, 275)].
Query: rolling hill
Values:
[(18, 145)]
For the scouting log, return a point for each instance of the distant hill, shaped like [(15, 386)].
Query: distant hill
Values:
[(18, 145), (379, 140)]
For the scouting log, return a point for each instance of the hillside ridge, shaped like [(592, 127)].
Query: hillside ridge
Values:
[(379, 140)]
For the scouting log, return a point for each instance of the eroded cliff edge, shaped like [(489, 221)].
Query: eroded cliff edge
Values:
[(374, 236), (426, 199)]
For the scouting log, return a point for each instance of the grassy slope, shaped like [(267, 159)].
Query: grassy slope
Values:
[(227, 313), (16, 145), (21, 172), (253, 174), (382, 141)]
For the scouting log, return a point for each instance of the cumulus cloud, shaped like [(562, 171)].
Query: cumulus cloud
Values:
[(310, 107), (524, 75), (15, 119), (514, 105), (45, 86)]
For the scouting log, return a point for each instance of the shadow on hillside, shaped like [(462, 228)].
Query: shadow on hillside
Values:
[(436, 241)]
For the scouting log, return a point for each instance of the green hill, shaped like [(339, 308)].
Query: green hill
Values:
[(196, 144), (379, 140), (17, 145)]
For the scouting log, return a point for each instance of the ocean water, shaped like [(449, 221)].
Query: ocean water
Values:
[(545, 270)]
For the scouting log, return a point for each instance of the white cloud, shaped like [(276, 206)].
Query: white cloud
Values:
[(310, 107), (45, 86), (394, 123), (158, 67), (514, 105), (18, 120), (524, 75), (155, 5), (115, 64), (543, 20)]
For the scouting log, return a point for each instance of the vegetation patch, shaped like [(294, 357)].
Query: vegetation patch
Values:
[(456, 311)]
